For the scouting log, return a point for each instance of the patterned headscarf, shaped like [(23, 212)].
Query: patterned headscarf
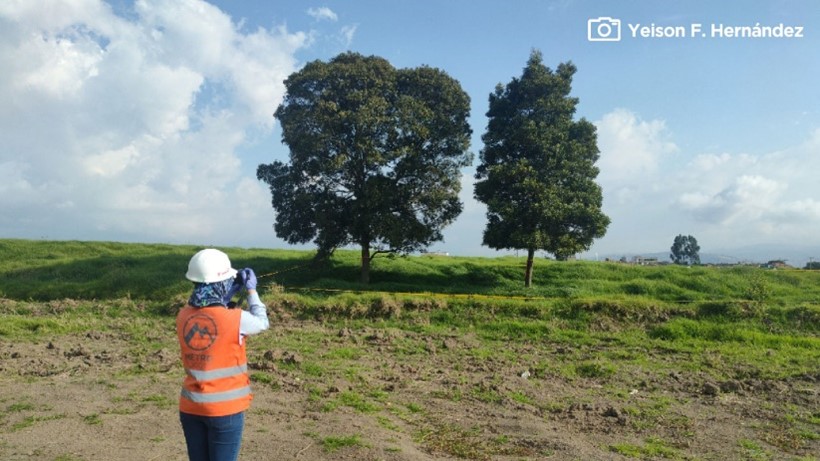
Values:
[(210, 294)]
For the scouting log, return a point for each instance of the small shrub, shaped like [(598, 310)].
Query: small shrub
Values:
[(331, 444), (18, 407), (757, 292), (357, 402), (594, 370), (93, 419), (414, 408), (385, 307)]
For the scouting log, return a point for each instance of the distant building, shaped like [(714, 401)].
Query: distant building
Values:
[(776, 264), (641, 261)]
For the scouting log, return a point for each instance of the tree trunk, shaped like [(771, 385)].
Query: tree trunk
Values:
[(365, 262), (528, 274)]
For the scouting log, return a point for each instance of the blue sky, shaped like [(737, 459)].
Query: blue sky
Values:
[(145, 120)]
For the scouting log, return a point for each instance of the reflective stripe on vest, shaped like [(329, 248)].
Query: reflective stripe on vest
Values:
[(216, 397), (219, 373)]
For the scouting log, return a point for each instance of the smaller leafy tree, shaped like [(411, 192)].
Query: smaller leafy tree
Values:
[(685, 250), (813, 265), (537, 172)]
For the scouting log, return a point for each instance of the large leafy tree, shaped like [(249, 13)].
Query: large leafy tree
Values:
[(537, 171), (685, 250), (375, 156)]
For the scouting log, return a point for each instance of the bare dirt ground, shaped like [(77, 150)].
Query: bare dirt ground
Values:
[(96, 397)]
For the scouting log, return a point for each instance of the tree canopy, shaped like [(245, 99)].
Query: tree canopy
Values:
[(375, 156), (537, 171), (685, 250)]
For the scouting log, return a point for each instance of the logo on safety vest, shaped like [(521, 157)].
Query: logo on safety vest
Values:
[(199, 332)]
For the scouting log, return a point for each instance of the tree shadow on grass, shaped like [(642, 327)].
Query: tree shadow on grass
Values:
[(151, 277)]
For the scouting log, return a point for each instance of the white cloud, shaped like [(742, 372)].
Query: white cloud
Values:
[(122, 126), (322, 14), (347, 34), (747, 198), (725, 199), (765, 197), (631, 148)]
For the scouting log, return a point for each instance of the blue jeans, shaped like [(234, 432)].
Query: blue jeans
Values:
[(213, 438)]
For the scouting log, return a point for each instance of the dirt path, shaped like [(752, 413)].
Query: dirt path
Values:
[(399, 396)]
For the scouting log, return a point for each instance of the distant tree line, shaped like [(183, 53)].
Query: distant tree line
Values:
[(376, 155)]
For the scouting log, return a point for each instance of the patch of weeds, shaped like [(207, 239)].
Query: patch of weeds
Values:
[(785, 437), (655, 412), (161, 401), (465, 443), (752, 451), (66, 458), (330, 406), (158, 439), (357, 402), (504, 330), (454, 395), (108, 384), (594, 370), (414, 408), (314, 394), (263, 378), (353, 400), (487, 394), (332, 443), (289, 367), (344, 353), (806, 434), (553, 407), (627, 449), (455, 440), (485, 352), (25, 327), (379, 395), (93, 419), (266, 379), (757, 292), (521, 397), (18, 407), (409, 347), (121, 411), (386, 423), (32, 420), (653, 448), (313, 369), (354, 374)]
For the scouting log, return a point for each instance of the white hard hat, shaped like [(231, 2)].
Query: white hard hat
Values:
[(209, 266)]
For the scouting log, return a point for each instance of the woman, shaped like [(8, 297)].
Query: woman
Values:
[(216, 390)]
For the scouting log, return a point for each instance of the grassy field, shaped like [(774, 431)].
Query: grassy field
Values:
[(605, 333)]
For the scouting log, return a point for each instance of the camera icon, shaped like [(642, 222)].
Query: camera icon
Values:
[(604, 29)]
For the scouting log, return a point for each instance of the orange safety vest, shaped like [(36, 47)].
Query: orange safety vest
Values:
[(216, 367)]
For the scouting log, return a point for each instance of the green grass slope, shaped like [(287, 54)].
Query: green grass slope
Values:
[(45, 270)]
